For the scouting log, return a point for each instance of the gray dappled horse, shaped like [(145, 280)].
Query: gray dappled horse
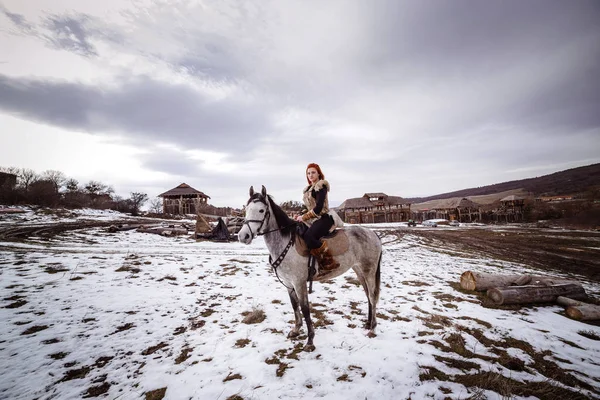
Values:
[(264, 217)]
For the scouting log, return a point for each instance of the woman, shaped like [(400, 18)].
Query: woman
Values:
[(318, 217)]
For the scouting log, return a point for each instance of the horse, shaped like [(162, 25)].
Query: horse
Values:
[(265, 218)]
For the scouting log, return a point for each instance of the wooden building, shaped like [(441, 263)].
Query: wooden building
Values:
[(455, 208), (183, 199), (511, 209), (374, 208)]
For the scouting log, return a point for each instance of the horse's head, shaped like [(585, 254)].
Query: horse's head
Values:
[(257, 218)]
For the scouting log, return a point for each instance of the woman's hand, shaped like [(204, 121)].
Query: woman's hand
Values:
[(298, 218)]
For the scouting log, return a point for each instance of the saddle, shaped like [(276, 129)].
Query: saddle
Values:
[(337, 241)]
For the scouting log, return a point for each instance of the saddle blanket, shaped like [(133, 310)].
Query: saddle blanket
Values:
[(337, 242)]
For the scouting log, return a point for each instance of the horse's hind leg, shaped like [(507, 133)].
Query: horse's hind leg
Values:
[(297, 314), (365, 287), (371, 281), (373, 286)]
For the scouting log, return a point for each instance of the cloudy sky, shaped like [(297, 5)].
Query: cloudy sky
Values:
[(410, 98)]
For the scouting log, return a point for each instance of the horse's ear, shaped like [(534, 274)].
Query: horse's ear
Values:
[(264, 191), (251, 191)]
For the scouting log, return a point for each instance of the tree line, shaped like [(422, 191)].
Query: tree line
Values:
[(52, 188)]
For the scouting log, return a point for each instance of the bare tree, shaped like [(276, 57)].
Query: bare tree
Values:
[(95, 188), (137, 201), (57, 178), (72, 185), (156, 205), (10, 170), (26, 177)]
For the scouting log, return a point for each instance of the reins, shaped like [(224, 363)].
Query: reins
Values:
[(281, 257)]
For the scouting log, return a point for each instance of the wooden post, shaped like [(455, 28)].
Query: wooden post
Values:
[(535, 294)]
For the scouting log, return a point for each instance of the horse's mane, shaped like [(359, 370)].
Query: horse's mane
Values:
[(283, 221)]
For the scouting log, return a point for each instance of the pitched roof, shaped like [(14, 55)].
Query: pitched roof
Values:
[(183, 189), (442, 204), (395, 200), (359, 202), (378, 195), (512, 198)]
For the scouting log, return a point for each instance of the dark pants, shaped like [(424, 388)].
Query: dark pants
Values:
[(317, 230)]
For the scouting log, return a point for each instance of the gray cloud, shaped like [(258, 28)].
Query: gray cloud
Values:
[(141, 109), (425, 91), (70, 33), (17, 19)]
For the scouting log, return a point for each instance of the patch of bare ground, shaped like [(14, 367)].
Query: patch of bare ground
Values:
[(231, 377), (320, 319), (95, 391), (16, 304), (589, 334), (58, 356), (156, 394), (455, 343), (184, 355), (504, 386), (124, 327), (129, 268), (235, 397), (34, 329), (289, 353), (255, 316), (167, 277), (154, 349), (545, 249), (415, 283), (78, 373), (242, 343), (54, 269)]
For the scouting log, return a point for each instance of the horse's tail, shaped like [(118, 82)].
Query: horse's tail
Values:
[(378, 278)]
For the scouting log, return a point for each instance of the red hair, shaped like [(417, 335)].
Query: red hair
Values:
[(315, 166)]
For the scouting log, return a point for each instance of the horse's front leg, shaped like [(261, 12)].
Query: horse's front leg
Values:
[(297, 314), (302, 294)]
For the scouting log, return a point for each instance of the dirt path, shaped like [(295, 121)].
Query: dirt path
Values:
[(546, 249), (20, 231)]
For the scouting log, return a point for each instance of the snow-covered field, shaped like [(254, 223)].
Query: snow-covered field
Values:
[(120, 315)]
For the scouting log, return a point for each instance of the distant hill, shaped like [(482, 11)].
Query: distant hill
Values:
[(570, 181)]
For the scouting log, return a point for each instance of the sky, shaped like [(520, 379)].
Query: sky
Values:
[(409, 98)]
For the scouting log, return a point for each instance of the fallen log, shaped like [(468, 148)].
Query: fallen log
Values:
[(122, 228), (535, 294), (481, 281), (584, 312), (164, 231), (567, 302)]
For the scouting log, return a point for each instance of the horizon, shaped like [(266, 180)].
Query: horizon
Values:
[(335, 202), (405, 98)]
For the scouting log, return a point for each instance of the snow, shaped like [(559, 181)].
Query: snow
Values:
[(181, 284)]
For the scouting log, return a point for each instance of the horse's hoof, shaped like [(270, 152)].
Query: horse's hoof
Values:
[(371, 334), (293, 334), (309, 348)]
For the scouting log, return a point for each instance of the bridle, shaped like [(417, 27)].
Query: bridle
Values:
[(259, 221), (262, 222), (266, 218)]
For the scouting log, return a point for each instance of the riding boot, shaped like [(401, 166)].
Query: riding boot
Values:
[(324, 258)]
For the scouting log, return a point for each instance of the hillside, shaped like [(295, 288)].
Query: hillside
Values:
[(575, 180)]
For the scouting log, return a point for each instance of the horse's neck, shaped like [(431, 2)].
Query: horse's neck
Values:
[(276, 240)]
